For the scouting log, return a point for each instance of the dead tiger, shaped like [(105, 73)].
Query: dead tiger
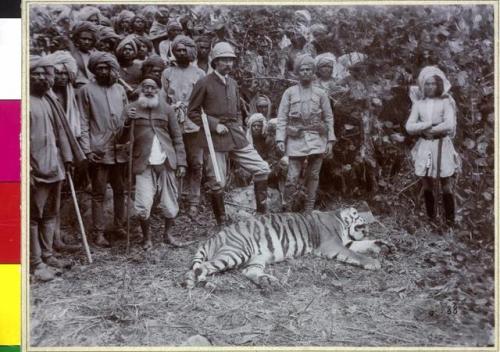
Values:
[(272, 238)]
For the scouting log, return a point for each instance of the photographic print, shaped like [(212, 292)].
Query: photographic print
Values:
[(260, 175)]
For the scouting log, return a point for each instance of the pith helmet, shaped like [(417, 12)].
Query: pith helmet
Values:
[(222, 49)]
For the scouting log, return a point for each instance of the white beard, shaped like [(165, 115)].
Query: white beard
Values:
[(148, 103)]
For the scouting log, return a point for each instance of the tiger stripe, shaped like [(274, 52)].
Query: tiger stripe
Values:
[(275, 237)]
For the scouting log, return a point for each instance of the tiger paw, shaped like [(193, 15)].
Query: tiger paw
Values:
[(384, 247), (373, 264), (266, 280)]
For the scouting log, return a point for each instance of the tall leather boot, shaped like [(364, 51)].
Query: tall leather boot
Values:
[(147, 244), (288, 196), (449, 208), (218, 208), (311, 189), (429, 204), (260, 189), (169, 239)]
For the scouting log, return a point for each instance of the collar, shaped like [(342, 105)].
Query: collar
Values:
[(222, 78)]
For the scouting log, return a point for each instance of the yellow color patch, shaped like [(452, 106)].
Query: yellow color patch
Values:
[(10, 304)]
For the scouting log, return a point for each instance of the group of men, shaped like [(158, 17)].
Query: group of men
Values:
[(168, 112)]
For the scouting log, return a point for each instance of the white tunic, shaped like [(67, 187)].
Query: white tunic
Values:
[(433, 118)]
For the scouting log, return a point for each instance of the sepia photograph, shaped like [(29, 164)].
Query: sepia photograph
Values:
[(231, 175)]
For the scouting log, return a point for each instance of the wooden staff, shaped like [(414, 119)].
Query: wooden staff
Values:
[(129, 181), (79, 216)]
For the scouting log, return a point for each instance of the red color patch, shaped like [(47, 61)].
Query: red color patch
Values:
[(10, 223), (10, 141)]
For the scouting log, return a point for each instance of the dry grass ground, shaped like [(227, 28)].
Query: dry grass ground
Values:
[(433, 290)]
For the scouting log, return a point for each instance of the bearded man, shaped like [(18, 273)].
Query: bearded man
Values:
[(101, 103), (84, 36), (304, 131), (158, 158), (178, 82), (217, 94), (52, 152)]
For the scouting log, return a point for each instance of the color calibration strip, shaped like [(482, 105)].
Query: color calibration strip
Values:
[(10, 176)]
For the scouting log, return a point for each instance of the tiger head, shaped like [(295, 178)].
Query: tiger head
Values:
[(355, 225)]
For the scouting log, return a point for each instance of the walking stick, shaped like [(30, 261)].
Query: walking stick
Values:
[(211, 149), (79, 216), (437, 188), (129, 180)]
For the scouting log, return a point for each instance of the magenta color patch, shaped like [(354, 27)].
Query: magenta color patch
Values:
[(10, 140)]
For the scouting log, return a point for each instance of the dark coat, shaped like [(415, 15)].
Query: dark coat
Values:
[(221, 104), (161, 121)]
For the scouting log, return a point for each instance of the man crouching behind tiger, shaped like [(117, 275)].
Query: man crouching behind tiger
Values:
[(158, 157)]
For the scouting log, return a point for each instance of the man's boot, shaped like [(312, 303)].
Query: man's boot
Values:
[(43, 273), (289, 195), (429, 204), (100, 240), (219, 208), (147, 244), (169, 239), (311, 189), (449, 209), (59, 245), (260, 188)]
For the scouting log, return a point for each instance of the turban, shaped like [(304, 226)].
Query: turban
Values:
[(304, 15), (173, 24), (140, 17), (325, 59), (107, 33), (62, 12), (64, 58), (100, 57), (124, 16), (301, 60), (144, 41), (129, 39), (88, 11), (45, 62), (152, 61), (40, 61), (428, 72), (204, 39), (83, 27), (149, 11), (188, 43), (253, 119), (260, 100)]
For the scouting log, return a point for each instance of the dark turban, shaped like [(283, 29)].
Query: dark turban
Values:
[(150, 62), (129, 39), (300, 60), (188, 43), (204, 39), (100, 57), (172, 24), (83, 26), (107, 33), (144, 41)]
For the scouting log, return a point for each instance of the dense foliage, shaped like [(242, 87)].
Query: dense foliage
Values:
[(372, 156)]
